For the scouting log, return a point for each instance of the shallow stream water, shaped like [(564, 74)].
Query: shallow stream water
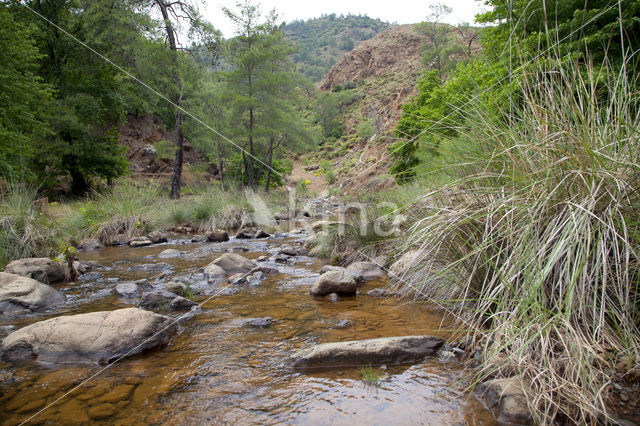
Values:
[(219, 369)]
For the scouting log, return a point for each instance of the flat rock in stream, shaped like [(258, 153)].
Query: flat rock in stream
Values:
[(233, 263), (170, 254), (140, 242), (40, 269), (385, 350), (19, 294), (95, 337), (127, 290)]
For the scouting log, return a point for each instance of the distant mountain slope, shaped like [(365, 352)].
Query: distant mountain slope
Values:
[(324, 41)]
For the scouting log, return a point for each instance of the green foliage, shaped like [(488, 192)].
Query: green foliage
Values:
[(165, 149), (348, 85), (328, 108), (323, 41), (24, 98), (365, 129), (337, 88)]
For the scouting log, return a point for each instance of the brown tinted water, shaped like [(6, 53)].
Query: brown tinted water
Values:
[(219, 370)]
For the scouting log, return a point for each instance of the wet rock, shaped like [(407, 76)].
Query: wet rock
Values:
[(333, 297), (260, 322), (217, 236), (170, 254), (233, 263), (198, 239), (157, 237), (264, 269), (127, 290), (296, 231), (119, 240), (256, 278), (214, 273), (262, 259), (157, 299), (90, 265), (181, 304), (103, 411), (368, 270), (379, 292), (281, 258), (343, 324), (507, 398), (338, 282), (19, 294), (356, 275), (90, 276), (386, 350), (406, 262), (91, 245), (95, 337), (78, 268), (288, 250), (176, 287), (140, 242), (237, 279), (40, 269), (251, 233), (152, 267)]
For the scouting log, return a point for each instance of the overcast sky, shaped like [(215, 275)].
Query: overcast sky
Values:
[(393, 11)]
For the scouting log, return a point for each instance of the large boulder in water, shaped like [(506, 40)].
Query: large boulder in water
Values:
[(218, 235), (96, 337), (368, 270), (18, 294), (233, 263), (386, 350), (41, 269), (339, 282)]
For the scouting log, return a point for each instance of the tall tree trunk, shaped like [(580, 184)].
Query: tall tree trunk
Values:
[(251, 149), (269, 164), (176, 178)]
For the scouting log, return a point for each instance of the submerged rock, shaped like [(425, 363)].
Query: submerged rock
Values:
[(96, 337), (368, 270), (508, 399), (233, 263), (40, 269), (18, 294), (217, 236), (386, 350), (127, 290), (338, 282), (380, 292), (288, 250), (259, 322), (170, 253)]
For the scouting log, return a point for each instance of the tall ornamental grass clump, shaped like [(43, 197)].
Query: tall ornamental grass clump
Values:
[(536, 246)]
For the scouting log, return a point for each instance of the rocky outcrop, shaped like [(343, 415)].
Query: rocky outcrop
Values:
[(339, 282), (367, 270), (40, 269), (217, 236), (386, 350), (507, 398), (233, 263), (19, 294), (96, 337)]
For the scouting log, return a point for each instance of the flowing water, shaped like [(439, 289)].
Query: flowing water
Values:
[(220, 369)]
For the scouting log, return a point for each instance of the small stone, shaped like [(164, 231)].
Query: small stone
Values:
[(333, 297), (103, 411), (199, 239), (281, 258), (157, 237), (262, 259), (181, 304), (260, 322), (170, 253), (343, 324), (127, 290), (237, 279), (176, 287), (140, 242)]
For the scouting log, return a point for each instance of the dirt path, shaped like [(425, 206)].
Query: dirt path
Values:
[(316, 183)]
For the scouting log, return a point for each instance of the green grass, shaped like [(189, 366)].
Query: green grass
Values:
[(370, 375), (535, 244)]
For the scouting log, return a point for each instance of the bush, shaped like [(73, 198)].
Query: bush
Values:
[(349, 85)]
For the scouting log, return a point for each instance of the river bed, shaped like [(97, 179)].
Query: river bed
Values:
[(221, 369)]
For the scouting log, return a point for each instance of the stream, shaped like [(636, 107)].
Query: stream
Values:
[(221, 368)]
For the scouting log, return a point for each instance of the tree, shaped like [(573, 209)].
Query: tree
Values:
[(23, 97), (441, 46)]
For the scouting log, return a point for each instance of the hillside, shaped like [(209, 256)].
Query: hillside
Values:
[(323, 41), (385, 70)]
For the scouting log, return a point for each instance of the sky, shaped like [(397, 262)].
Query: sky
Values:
[(393, 11)]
